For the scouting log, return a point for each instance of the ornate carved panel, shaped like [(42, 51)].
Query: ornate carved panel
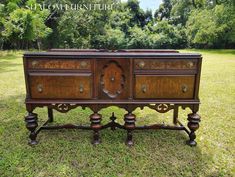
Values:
[(161, 108), (64, 107), (112, 79)]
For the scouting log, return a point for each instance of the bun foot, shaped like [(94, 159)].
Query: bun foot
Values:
[(32, 142), (129, 126), (129, 140), (191, 143), (193, 125), (96, 126), (129, 143), (96, 142), (96, 138)]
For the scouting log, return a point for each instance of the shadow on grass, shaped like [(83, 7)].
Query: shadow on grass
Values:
[(5, 66), (215, 51), (158, 152), (10, 54)]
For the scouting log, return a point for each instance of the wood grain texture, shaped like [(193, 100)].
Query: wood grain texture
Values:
[(129, 79), (71, 64), (153, 64), (170, 87), (107, 70), (61, 87), (112, 79)]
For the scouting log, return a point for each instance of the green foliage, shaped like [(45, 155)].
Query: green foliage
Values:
[(176, 24), (120, 19), (213, 28), (164, 10), (180, 11), (113, 39), (22, 25), (166, 35), (138, 38), (1, 25), (138, 15)]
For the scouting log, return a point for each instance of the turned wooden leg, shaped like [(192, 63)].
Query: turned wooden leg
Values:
[(96, 126), (50, 114), (193, 125), (175, 114), (130, 126), (31, 125)]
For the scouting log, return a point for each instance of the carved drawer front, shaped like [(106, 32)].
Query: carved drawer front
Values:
[(167, 64), (170, 86), (73, 64), (61, 86)]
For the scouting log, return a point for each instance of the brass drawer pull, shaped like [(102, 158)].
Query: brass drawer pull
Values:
[(184, 88), (40, 88), (142, 64), (83, 64), (112, 79), (190, 64), (81, 89), (144, 88), (34, 63)]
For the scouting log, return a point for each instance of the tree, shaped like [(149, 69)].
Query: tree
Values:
[(138, 38), (164, 10), (180, 11), (166, 35), (112, 39), (120, 19), (139, 17), (2, 39), (211, 28), (22, 26)]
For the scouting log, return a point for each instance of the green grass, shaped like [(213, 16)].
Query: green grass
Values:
[(156, 153)]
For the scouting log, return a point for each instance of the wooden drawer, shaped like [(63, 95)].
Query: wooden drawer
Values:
[(160, 86), (58, 86), (165, 64), (71, 64)]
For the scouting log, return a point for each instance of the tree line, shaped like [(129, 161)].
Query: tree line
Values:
[(175, 24)]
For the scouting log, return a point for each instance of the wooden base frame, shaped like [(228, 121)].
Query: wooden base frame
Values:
[(129, 118)]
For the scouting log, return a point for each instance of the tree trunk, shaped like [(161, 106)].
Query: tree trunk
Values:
[(39, 44)]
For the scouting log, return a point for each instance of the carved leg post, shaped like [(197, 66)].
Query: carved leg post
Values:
[(31, 125), (175, 114), (96, 126), (129, 125), (113, 118), (50, 114), (193, 125)]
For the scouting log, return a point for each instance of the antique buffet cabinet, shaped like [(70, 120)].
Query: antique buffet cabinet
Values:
[(64, 79)]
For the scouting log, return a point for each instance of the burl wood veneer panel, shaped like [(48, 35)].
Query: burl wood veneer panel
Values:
[(161, 64), (154, 87), (72, 64), (61, 86)]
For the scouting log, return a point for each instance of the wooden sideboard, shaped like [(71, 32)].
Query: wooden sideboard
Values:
[(162, 80)]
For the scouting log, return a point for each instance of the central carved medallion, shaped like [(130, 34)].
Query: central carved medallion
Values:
[(112, 79)]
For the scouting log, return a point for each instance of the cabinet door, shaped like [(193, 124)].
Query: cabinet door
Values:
[(164, 86), (113, 78), (60, 86)]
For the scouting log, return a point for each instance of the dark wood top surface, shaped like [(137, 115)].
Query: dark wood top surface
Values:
[(120, 50), (116, 54)]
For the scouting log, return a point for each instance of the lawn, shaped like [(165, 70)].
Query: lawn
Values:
[(156, 153)]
